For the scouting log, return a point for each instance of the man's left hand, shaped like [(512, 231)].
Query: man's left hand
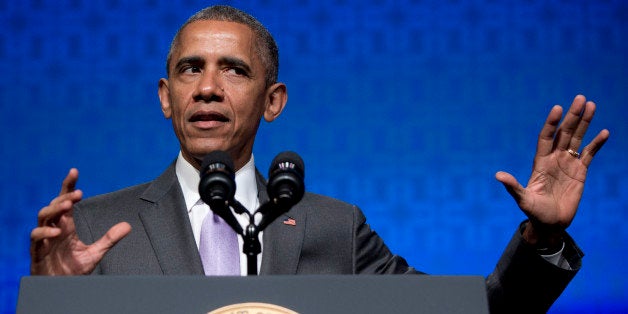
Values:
[(551, 198)]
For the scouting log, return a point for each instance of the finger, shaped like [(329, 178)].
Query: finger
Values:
[(583, 125), (545, 144), (51, 213), (58, 207), (41, 233), (106, 242), (69, 183), (590, 150), (570, 123), (39, 245), (511, 184), (73, 196)]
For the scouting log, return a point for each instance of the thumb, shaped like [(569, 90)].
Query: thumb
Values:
[(511, 184), (115, 234)]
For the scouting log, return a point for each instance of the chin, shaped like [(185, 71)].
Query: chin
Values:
[(199, 150)]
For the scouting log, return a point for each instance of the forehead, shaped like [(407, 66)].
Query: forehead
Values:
[(221, 38)]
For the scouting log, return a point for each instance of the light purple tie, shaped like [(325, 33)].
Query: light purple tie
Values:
[(219, 247)]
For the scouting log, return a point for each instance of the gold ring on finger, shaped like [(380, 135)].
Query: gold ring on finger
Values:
[(573, 153)]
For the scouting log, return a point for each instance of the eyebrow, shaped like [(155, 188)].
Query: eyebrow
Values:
[(227, 60), (233, 61), (189, 60)]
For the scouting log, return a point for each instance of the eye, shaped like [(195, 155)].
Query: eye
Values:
[(236, 71), (190, 69)]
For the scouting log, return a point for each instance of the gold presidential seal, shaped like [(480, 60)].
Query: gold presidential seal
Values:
[(252, 308)]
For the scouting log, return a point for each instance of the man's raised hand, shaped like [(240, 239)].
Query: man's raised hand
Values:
[(551, 198), (55, 246)]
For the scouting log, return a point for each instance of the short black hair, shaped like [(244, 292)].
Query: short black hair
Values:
[(264, 43)]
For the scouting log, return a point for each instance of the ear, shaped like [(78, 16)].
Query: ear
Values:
[(164, 98), (276, 98)]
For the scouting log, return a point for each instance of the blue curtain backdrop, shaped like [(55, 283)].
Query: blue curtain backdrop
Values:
[(405, 108)]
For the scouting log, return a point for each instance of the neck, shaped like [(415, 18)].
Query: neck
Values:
[(196, 162)]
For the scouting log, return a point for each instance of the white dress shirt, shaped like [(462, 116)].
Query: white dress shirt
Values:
[(246, 194)]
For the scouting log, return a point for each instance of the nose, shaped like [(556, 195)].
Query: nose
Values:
[(209, 88)]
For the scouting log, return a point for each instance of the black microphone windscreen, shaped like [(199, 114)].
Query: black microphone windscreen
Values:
[(288, 157), (217, 156)]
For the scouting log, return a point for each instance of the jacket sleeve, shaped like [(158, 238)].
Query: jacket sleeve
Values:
[(524, 282), (370, 254)]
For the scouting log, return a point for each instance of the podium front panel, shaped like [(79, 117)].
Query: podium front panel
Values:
[(303, 294)]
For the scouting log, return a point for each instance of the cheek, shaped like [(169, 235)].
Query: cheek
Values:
[(250, 111), (178, 116), (177, 104), (248, 124)]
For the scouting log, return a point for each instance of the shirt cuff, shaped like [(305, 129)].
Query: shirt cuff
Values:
[(557, 258)]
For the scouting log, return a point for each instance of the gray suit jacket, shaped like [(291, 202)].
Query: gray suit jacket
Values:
[(330, 237)]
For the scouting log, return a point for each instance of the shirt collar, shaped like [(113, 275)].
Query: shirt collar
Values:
[(189, 178)]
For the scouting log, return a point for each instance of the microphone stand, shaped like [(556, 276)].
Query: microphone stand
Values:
[(252, 246), (217, 189)]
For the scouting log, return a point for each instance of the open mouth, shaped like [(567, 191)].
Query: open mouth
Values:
[(208, 117)]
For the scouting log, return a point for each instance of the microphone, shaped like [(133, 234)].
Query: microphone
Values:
[(285, 180), (217, 186), (217, 189), (285, 187)]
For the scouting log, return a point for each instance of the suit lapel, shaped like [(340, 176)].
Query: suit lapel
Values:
[(168, 227), (282, 242)]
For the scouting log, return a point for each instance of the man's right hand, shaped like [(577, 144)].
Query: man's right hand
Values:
[(55, 246)]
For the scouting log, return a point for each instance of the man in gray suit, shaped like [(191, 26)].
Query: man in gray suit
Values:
[(222, 80)]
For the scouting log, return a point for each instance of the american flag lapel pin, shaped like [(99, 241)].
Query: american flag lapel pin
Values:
[(290, 221)]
